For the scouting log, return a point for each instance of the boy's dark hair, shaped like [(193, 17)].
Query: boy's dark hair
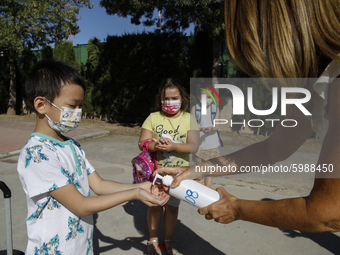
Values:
[(46, 79), (171, 83)]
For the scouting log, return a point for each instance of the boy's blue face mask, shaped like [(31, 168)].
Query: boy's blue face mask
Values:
[(69, 119)]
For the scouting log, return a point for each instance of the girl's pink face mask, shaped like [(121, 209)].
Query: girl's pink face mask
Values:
[(171, 106)]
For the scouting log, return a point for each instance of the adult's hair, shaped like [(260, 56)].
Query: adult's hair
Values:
[(283, 38), (46, 79), (171, 83)]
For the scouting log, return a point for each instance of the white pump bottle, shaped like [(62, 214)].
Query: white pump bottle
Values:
[(190, 191)]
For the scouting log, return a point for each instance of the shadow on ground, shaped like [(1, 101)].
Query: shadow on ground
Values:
[(187, 241), (327, 240)]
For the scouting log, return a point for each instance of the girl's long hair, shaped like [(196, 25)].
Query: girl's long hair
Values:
[(283, 38)]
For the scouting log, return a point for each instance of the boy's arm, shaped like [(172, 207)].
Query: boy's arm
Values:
[(105, 187), (80, 205)]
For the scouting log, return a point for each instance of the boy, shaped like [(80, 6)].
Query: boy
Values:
[(55, 173)]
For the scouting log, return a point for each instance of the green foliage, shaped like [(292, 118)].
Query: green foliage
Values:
[(65, 17), (47, 52), (32, 24), (91, 78), (64, 51), (131, 69), (123, 75), (4, 81), (28, 60), (93, 51), (176, 15), (200, 57)]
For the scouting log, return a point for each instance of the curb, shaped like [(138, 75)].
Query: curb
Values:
[(77, 138)]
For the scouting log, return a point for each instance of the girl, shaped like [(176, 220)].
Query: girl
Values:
[(176, 136)]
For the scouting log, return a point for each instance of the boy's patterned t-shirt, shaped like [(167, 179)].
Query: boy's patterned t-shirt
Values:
[(46, 164)]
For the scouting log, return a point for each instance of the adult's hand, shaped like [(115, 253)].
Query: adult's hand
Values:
[(180, 173), (224, 210)]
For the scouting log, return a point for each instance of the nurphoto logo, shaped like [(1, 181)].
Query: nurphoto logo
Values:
[(280, 97), (204, 97)]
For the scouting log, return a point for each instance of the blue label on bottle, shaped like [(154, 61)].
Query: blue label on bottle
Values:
[(191, 196)]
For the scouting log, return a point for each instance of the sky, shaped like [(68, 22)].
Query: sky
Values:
[(96, 23)]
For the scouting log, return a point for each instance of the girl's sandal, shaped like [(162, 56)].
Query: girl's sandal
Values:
[(171, 250), (154, 250)]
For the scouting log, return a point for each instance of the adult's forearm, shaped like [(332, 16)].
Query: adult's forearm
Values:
[(253, 155), (186, 148), (293, 213)]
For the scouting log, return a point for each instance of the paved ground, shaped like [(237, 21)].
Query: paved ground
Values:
[(123, 229), (13, 135)]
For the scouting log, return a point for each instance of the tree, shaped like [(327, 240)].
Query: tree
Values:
[(64, 51), (200, 58), (46, 52), (27, 61), (32, 24), (91, 77), (207, 15), (4, 81), (129, 73), (64, 15)]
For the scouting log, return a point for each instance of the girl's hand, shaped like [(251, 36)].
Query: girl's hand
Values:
[(165, 141), (224, 210), (166, 146)]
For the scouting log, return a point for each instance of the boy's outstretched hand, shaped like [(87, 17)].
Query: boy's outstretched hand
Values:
[(152, 195)]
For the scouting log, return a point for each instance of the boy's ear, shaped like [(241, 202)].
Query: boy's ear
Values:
[(40, 105)]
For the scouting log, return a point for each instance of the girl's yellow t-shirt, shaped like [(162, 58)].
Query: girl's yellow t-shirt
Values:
[(177, 129)]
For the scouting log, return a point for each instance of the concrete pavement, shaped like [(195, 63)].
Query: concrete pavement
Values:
[(123, 229)]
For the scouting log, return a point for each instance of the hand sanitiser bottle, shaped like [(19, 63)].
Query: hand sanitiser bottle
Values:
[(190, 191)]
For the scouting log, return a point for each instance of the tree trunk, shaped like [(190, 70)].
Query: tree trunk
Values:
[(216, 57), (12, 87), (216, 62)]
